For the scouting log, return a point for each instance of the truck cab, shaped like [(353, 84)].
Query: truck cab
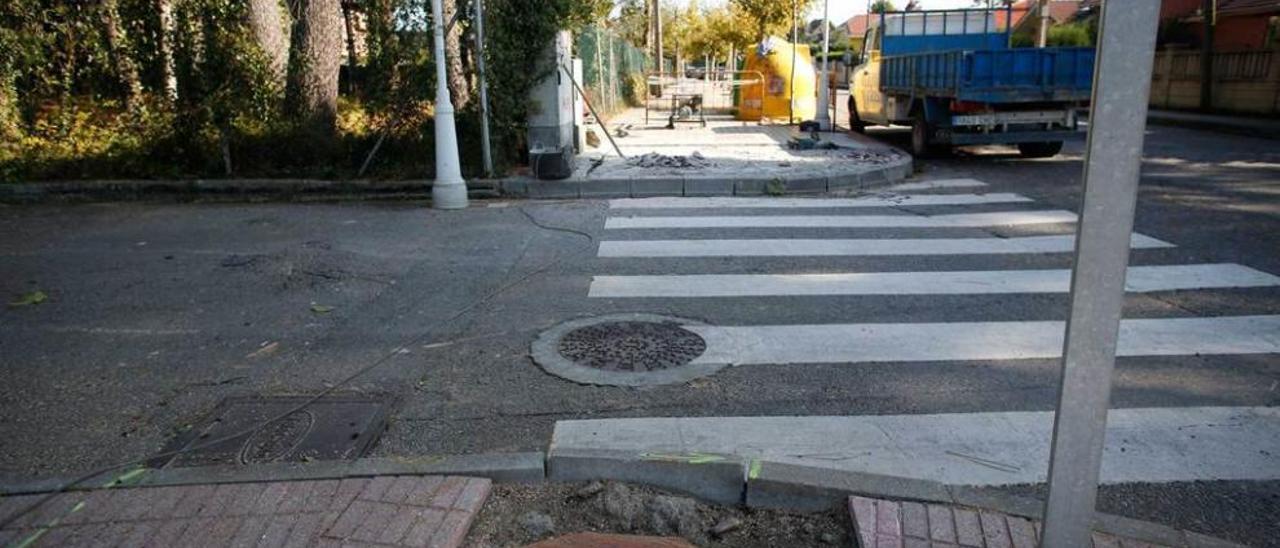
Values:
[(952, 76)]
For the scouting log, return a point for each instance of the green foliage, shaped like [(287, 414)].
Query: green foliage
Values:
[(881, 6), (771, 16), (62, 114)]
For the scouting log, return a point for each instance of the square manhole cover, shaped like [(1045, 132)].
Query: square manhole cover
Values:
[(331, 428)]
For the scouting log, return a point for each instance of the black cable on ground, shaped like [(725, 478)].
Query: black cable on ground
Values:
[(328, 390)]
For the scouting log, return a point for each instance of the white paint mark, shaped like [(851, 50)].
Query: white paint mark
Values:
[(1139, 279), (1143, 445), (884, 200), (958, 341), (958, 220), (937, 184), (832, 247)]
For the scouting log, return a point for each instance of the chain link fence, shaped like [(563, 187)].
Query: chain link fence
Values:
[(612, 70)]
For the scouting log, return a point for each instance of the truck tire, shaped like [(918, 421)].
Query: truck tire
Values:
[(855, 121), (1039, 150), (920, 131)]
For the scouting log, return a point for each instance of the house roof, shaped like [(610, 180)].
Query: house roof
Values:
[(858, 25), (1059, 10)]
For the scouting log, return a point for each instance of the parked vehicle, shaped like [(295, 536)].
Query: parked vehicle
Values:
[(952, 76)]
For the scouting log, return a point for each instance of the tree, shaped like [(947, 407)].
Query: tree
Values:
[(268, 23), (881, 6), (771, 16), (315, 58), (459, 84), (117, 51)]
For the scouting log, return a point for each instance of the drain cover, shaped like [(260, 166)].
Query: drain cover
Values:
[(632, 346), (332, 428), (624, 350)]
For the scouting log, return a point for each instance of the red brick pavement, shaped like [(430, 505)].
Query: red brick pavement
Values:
[(886, 523), (433, 511)]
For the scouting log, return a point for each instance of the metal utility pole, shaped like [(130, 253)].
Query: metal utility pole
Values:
[(1043, 41), (1113, 158), (795, 42), (448, 191), (824, 79), (1209, 10), (657, 36), (485, 153)]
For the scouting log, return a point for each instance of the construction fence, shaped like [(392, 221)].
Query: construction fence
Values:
[(613, 70), (1244, 82)]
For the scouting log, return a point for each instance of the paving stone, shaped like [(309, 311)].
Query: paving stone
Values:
[(277, 531), (404, 511), (880, 522)]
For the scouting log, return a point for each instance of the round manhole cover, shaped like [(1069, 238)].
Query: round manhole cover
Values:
[(632, 346), (625, 350)]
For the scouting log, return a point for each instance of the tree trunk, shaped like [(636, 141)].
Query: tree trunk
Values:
[(268, 22), (312, 91), (117, 51), (168, 77), (459, 85)]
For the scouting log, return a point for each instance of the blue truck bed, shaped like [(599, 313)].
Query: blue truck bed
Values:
[(1010, 75)]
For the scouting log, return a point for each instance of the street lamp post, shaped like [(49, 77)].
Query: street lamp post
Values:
[(448, 191), (824, 118)]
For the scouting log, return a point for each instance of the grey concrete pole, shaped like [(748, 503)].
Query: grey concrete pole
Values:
[(824, 79), (1113, 159), (485, 152), (448, 191)]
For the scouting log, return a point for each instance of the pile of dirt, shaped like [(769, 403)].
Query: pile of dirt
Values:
[(516, 515), (653, 159)]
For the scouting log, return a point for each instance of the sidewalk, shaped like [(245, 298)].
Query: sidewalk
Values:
[(384, 510), (1268, 128)]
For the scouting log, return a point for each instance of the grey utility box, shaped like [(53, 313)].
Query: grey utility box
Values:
[(551, 151)]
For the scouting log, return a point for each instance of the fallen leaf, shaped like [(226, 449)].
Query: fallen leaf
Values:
[(321, 309), (34, 297), (266, 350)]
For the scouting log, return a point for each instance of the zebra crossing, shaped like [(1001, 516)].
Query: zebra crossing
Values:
[(688, 240)]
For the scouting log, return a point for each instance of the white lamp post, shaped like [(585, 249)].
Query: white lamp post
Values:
[(448, 191), (824, 118)]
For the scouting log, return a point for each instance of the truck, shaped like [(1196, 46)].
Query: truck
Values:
[(955, 79)]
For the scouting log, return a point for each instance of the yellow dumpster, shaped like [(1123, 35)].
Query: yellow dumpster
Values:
[(774, 97)]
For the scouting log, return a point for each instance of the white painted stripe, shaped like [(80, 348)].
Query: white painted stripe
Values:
[(1139, 279), (883, 200), (1142, 445), (959, 220), (802, 248), (916, 342), (937, 184)]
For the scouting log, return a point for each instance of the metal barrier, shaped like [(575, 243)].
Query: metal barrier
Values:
[(680, 99)]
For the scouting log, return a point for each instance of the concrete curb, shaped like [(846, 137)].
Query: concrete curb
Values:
[(240, 190), (718, 478), (499, 467), (800, 183), (226, 190)]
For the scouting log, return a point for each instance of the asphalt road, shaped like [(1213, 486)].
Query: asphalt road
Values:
[(158, 311)]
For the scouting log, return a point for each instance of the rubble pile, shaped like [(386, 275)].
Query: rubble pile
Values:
[(653, 159)]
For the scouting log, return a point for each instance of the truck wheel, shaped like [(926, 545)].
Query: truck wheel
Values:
[(855, 121), (920, 131), (1039, 150)]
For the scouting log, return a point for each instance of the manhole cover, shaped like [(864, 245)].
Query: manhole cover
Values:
[(625, 350), (632, 346), (332, 428)]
